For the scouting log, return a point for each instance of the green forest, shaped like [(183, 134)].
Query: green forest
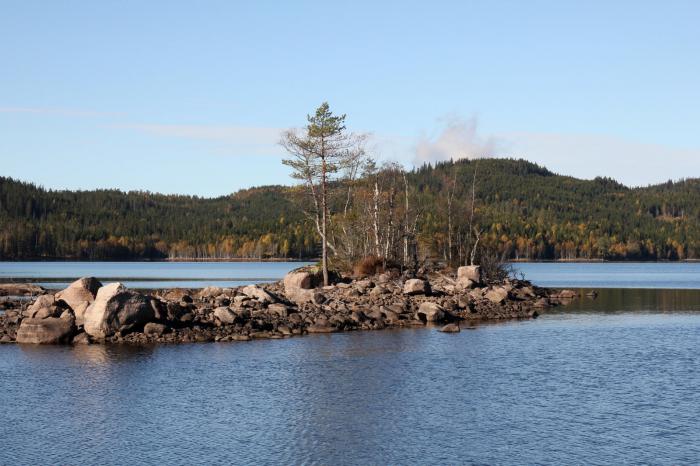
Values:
[(523, 211)]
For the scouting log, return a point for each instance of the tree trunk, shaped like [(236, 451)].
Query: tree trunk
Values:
[(324, 220), (377, 246)]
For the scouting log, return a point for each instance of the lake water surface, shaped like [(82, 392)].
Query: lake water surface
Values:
[(148, 274), (200, 274), (606, 381)]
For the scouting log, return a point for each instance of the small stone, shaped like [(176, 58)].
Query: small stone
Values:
[(415, 286), (225, 315), (153, 328), (497, 294), (450, 328)]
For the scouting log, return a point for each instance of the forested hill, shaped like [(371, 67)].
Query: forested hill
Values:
[(523, 210)]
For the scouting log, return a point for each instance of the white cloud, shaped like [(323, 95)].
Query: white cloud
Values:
[(457, 139)]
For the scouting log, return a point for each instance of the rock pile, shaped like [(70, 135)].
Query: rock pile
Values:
[(87, 311)]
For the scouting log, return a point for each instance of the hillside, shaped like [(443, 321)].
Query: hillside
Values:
[(524, 210)]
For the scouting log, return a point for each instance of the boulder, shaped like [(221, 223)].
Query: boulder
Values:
[(430, 312), (153, 328), (210, 292), (378, 291), (298, 286), (255, 292), (48, 331), (225, 315), (43, 307), (116, 310), (79, 295), (42, 302), (176, 294), (469, 273), (497, 294), (415, 286), (280, 309)]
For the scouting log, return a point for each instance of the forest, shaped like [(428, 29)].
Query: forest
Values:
[(519, 209)]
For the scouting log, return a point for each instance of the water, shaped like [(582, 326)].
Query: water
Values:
[(148, 274), (201, 274), (662, 275), (563, 389), (605, 381)]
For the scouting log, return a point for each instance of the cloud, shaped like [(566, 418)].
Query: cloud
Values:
[(589, 155), (57, 111), (458, 139)]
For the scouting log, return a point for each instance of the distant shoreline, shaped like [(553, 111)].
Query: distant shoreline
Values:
[(282, 259)]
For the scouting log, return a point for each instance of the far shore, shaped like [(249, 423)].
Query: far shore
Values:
[(317, 259)]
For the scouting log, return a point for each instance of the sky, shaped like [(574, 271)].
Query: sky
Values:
[(191, 97)]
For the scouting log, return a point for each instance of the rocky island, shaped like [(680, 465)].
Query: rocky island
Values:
[(90, 312)]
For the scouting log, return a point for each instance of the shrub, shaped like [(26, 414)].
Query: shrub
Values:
[(368, 266), (494, 267)]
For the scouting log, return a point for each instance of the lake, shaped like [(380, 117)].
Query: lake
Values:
[(147, 275), (201, 274), (610, 380)]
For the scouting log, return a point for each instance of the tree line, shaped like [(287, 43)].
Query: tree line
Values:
[(512, 209)]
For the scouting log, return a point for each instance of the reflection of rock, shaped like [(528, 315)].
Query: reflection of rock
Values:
[(450, 328), (116, 310), (564, 294), (51, 330)]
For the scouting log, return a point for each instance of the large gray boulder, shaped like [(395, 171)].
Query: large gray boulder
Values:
[(79, 295), (299, 286), (48, 331), (116, 310), (468, 276)]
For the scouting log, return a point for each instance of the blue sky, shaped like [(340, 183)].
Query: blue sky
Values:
[(190, 97)]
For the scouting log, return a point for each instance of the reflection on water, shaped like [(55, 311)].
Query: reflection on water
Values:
[(660, 275), (596, 383), (635, 300)]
